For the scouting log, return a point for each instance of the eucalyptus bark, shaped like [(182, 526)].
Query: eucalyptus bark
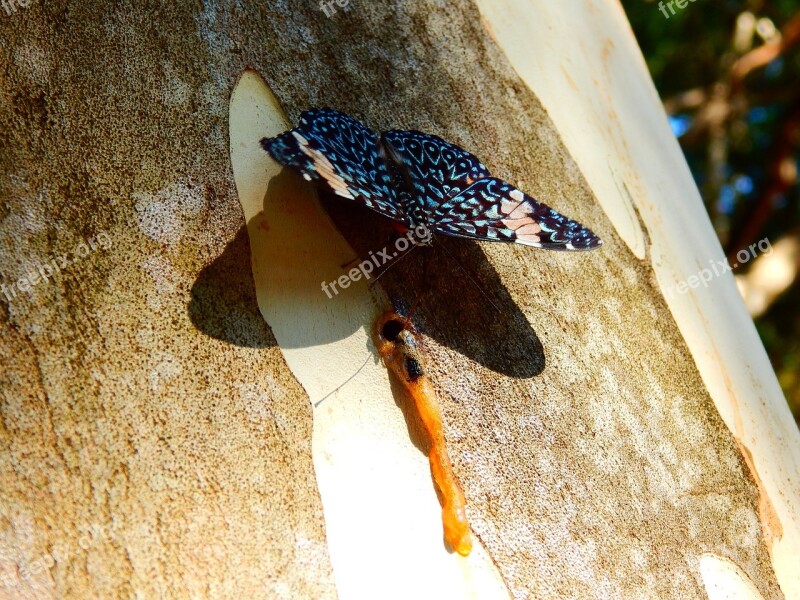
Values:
[(155, 441)]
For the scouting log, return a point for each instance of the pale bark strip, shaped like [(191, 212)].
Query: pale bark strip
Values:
[(592, 455), (608, 113), (375, 482)]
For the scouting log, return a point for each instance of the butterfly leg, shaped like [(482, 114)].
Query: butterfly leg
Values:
[(352, 261), (390, 241), (393, 257), (421, 294)]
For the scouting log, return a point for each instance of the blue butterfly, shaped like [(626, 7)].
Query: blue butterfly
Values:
[(417, 179)]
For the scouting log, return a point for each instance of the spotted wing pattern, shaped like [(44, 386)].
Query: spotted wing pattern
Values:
[(493, 210), (433, 169), (425, 180), (338, 152)]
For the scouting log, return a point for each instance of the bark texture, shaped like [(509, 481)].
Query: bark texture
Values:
[(154, 441)]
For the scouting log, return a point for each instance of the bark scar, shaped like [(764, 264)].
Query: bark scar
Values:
[(396, 342)]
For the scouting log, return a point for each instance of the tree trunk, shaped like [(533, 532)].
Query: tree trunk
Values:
[(616, 432)]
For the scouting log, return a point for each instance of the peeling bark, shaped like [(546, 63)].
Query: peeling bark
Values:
[(158, 435)]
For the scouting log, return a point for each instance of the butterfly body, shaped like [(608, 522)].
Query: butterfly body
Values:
[(420, 180)]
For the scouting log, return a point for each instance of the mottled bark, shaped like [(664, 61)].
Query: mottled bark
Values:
[(155, 441)]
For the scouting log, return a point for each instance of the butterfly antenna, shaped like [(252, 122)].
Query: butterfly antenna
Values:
[(386, 270), (413, 309), (340, 386), (467, 273)]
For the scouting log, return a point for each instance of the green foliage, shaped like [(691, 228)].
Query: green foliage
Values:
[(746, 166)]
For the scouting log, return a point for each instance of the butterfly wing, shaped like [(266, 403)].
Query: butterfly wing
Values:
[(433, 169), (491, 209), (339, 153)]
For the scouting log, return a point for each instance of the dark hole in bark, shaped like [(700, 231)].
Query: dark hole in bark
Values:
[(391, 329)]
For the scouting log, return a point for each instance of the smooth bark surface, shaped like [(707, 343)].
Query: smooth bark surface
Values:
[(158, 436)]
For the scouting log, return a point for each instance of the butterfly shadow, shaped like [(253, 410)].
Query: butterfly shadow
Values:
[(223, 298), (456, 295)]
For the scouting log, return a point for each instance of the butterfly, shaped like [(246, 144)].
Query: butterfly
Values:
[(417, 179)]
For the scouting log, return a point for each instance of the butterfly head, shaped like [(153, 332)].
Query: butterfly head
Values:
[(420, 231), (421, 234)]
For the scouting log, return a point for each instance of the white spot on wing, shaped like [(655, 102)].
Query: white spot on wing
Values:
[(324, 167)]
